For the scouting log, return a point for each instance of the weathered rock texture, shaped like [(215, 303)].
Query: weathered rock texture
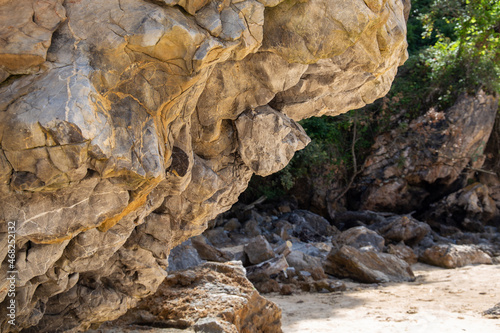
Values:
[(367, 266), (126, 125), (452, 256), (213, 297), (469, 209), (422, 163)]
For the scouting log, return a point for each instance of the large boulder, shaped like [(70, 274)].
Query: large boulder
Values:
[(360, 238), (404, 252), (259, 250), (402, 228), (308, 226), (125, 126), (452, 256), (367, 266), (407, 166), (210, 298)]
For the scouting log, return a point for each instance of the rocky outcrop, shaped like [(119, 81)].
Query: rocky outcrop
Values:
[(470, 209), (357, 254), (126, 125), (423, 162)]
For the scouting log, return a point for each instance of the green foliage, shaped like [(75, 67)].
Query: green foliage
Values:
[(408, 96), (466, 58), (454, 48), (417, 29), (259, 186)]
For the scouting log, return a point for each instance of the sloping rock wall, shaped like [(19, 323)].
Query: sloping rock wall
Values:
[(126, 125), (430, 159)]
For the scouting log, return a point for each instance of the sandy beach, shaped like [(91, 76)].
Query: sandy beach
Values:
[(440, 300)]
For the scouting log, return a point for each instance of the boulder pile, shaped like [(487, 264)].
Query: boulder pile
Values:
[(287, 250)]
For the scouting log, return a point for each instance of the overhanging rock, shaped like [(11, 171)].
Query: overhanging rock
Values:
[(121, 128)]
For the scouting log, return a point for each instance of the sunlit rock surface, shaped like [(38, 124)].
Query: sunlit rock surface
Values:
[(213, 297), (125, 125)]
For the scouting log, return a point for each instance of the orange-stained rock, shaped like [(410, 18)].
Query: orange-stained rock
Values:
[(125, 126)]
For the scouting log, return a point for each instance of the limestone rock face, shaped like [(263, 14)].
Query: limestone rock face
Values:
[(126, 125), (407, 167), (26, 29)]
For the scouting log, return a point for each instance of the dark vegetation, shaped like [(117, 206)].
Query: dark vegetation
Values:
[(454, 48)]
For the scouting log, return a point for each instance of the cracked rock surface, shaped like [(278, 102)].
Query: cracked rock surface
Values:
[(125, 125), (213, 297)]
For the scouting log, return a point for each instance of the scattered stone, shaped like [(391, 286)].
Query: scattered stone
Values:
[(259, 250), (184, 256), (267, 286), (327, 285), (232, 225), (267, 268), (452, 256), (209, 252), (217, 236), (404, 252), (310, 227), (402, 228), (323, 247), (286, 289), (237, 252), (304, 274), (360, 238), (284, 208), (351, 219), (213, 325), (283, 229), (493, 313), (284, 249), (317, 273), (308, 248), (303, 262), (252, 228)]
